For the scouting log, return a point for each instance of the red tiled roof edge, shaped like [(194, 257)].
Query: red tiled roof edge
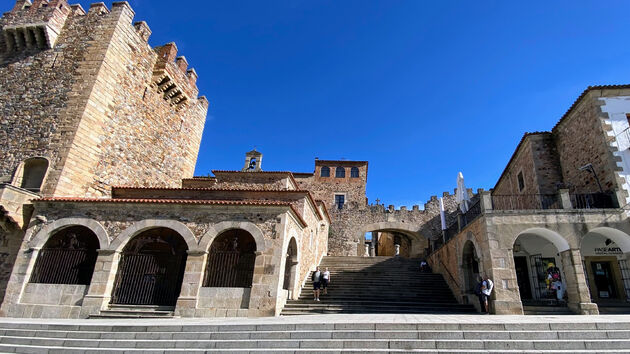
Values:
[(175, 201), (319, 201)]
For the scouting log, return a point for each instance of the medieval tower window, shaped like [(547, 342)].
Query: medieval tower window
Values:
[(354, 172), (325, 172), (521, 181), (340, 172), (340, 199), (30, 175)]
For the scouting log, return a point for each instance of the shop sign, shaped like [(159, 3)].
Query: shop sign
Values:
[(608, 250)]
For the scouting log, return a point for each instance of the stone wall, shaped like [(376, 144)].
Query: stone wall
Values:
[(582, 139), (90, 105), (11, 237)]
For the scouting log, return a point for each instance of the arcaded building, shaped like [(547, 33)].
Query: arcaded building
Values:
[(101, 215)]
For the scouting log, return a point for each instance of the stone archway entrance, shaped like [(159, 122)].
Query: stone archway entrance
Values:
[(391, 239), (604, 253), (151, 269), (290, 267), (470, 266), (539, 268)]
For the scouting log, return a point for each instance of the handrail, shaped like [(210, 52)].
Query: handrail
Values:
[(450, 275)]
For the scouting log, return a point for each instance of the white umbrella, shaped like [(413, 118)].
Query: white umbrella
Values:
[(442, 214), (461, 196)]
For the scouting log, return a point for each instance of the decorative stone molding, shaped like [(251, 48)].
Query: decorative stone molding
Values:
[(40, 238), (127, 234), (215, 230)]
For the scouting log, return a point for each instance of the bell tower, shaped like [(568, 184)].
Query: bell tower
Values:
[(253, 161)]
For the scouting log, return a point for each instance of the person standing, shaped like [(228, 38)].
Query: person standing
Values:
[(486, 289), (316, 278), (325, 280)]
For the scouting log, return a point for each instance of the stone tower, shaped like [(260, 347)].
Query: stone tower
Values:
[(86, 103)]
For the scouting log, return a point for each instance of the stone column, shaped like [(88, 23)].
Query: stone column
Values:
[(577, 291), (485, 200), (262, 300), (565, 199), (397, 250), (367, 250), (20, 276), (191, 283), (100, 291), (505, 298)]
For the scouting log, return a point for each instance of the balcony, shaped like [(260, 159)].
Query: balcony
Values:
[(485, 202)]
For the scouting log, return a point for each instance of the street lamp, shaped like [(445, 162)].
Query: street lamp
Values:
[(589, 167)]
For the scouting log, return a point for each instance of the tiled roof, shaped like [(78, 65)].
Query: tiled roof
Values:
[(175, 201), (588, 89)]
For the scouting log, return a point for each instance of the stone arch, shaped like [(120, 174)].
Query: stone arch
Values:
[(216, 229), (291, 264), (404, 228), (560, 242), (40, 238), (470, 266), (127, 234), (620, 238), (31, 173)]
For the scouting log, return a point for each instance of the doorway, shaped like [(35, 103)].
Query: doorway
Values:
[(522, 277), (603, 280)]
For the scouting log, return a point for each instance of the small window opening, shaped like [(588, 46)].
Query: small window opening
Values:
[(340, 200), (354, 172), (33, 173), (325, 172), (340, 172), (521, 181)]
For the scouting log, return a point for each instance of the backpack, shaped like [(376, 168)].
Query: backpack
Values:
[(477, 289)]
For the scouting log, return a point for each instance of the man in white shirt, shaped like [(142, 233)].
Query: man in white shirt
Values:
[(325, 280)]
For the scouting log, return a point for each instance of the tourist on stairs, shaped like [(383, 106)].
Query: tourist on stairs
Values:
[(325, 281), (316, 278)]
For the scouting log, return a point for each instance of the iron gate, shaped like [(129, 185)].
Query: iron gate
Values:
[(230, 269), (149, 279), (538, 277), (64, 266)]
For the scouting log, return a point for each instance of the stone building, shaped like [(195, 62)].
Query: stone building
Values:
[(556, 222), (88, 105)]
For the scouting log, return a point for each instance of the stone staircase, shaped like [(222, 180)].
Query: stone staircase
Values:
[(331, 333), (136, 311), (377, 285)]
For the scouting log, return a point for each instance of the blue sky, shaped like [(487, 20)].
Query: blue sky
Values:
[(420, 89)]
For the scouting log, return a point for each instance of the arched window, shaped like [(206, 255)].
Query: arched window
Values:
[(68, 257), (325, 172), (340, 172), (354, 172), (231, 260), (31, 174)]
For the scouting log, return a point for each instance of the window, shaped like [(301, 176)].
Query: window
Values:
[(325, 172), (354, 172), (31, 174), (340, 200), (340, 172), (521, 181)]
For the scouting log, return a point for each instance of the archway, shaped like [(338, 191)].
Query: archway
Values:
[(470, 267), (231, 260), (30, 175), (68, 257), (290, 266), (538, 267), (605, 266), (151, 269), (410, 242)]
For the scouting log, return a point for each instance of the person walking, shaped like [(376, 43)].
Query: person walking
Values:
[(325, 280), (316, 278)]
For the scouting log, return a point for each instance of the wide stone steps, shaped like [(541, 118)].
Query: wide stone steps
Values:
[(467, 336), (136, 311), (377, 285)]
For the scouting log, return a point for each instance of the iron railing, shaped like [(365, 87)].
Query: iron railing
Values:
[(471, 214), (64, 266), (451, 231), (526, 202), (230, 269), (594, 201)]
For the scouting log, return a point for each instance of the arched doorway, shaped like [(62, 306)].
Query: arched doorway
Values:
[(389, 238), (290, 266), (68, 257), (231, 260), (470, 267), (605, 266), (151, 269), (538, 267)]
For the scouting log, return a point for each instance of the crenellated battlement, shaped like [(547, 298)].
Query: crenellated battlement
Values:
[(172, 77), (34, 26)]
